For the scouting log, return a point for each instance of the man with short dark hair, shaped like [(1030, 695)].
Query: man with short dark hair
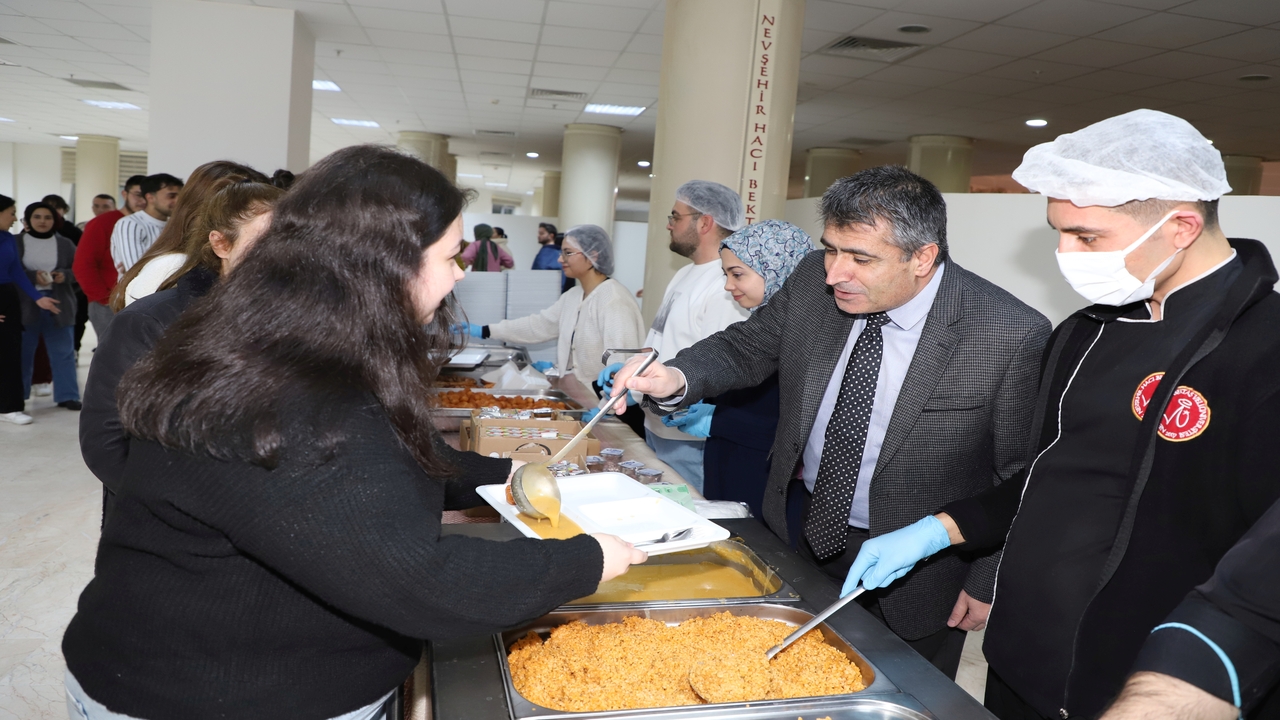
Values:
[(906, 382), (93, 266), (548, 257), (134, 235), (103, 203)]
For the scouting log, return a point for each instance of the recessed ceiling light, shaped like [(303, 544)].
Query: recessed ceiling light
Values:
[(1037, 122), (493, 184), (650, 174), (69, 137), (531, 154), (528, 192), (327, 85), (6, 120), (109, 105), (914, 29), (356, 123), (644, 163), (614, 109), (1255, 77), (470, 175)]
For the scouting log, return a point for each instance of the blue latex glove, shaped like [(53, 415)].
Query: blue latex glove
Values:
[(888, 557), (695, 421), (605, 378), (472, 329), (590, 415), (542, 365)]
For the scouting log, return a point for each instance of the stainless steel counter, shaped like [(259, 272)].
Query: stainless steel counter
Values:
[(467, 680)]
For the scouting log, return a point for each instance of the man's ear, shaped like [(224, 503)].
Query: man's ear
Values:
[(1187, 226), (925, 258)]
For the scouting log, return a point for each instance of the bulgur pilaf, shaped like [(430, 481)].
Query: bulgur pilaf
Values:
[(641, 663)]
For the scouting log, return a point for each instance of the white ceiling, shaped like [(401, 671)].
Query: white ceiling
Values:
[(458, 66)]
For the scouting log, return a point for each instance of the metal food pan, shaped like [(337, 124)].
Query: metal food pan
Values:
[(732, 553), (574, 407), (880, 696)]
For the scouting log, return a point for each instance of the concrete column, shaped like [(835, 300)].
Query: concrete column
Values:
[(97, 172), (823, 166), (589, 167), (726, 102), (535, 208), (551, 195), (450, 167), (1244, 174), (943, 160), (212, 103), (430, 148)]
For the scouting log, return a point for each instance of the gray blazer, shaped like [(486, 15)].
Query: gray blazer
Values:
[(63, 292), (960, 425)]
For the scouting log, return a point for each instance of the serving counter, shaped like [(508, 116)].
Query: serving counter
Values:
[(467, 678)]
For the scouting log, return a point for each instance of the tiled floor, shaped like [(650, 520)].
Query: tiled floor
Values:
[(50, 508)]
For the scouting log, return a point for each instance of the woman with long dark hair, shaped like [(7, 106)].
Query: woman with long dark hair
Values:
[(275, 549), (13, 279)]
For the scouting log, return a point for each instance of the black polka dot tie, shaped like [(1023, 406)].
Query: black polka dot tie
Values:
[(827, 526)]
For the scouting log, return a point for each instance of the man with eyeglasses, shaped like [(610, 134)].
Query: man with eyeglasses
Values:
[(695, 305), (93, 266)]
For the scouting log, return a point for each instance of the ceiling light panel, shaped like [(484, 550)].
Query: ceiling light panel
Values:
[(356, 123), (614, 109), (111, 105), (326, 85)]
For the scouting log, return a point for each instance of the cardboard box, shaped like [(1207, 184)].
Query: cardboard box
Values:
[(472, 437)]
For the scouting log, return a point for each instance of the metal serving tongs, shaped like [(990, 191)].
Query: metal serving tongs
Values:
[(535, 479), (817, 620)]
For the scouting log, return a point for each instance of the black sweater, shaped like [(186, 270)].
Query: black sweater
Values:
[(224, 590), (1185, 504)]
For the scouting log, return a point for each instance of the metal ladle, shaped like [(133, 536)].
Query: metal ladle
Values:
[(535, 479)]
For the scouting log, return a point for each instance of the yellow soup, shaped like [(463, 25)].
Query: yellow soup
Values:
[(675, 582), (545, 530)]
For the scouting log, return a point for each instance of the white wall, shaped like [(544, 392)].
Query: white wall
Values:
[(6, 170), (37, 171), (630, 240), (1005, 239)]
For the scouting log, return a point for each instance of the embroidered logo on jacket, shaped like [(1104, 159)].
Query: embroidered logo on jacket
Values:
[(1186, 416)]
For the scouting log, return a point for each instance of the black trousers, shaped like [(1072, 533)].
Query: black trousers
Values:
[(941, 648), (82, 315), (1006, 704), (10, 350)]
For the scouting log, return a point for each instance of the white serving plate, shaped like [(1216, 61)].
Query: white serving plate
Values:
[(468, 358), (614, 503)]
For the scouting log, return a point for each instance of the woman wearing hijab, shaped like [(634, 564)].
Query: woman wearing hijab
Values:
[(600, 313), (485, 255), (46, 258), (15, 286), (741, 424)]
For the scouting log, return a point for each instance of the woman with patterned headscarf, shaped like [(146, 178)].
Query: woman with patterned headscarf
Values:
[(740, 425)]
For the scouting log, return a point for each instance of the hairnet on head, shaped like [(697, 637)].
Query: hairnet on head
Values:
[(1140, 155), (772, 248), (595, 245), (711, 198)]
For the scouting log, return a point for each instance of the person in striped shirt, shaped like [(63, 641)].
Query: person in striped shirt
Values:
[(134, 235)]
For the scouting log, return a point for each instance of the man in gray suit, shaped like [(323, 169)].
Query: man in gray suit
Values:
[(906, 382)]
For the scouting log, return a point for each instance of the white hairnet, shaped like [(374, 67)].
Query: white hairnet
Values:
[(711, 198), (595, 245), (1140, 155)]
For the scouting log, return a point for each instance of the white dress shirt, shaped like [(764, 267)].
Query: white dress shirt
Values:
[(901, 336)]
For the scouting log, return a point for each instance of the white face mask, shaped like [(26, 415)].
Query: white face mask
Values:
[(1102, 278)]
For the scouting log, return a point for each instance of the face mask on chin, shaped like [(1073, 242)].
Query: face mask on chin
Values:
[(1102, 278)]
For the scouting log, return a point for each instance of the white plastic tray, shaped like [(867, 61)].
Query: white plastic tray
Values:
[(468, 358), (614, 503)]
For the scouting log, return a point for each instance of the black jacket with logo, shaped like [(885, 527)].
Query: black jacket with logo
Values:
[(1186, 502)]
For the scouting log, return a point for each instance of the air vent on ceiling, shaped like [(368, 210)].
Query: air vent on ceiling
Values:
[(491, 154), (97, 84), (870, 49), (557, 94), (495, 133)]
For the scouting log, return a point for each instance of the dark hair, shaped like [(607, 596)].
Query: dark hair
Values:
[(1150, 211), (320, 309), (56, 202), (206, 181), (135, 180), (104, 196), (42, 205), (282, 179), (548, 227), (499, 231), (6, 202), (152, 184), (911, 206)]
